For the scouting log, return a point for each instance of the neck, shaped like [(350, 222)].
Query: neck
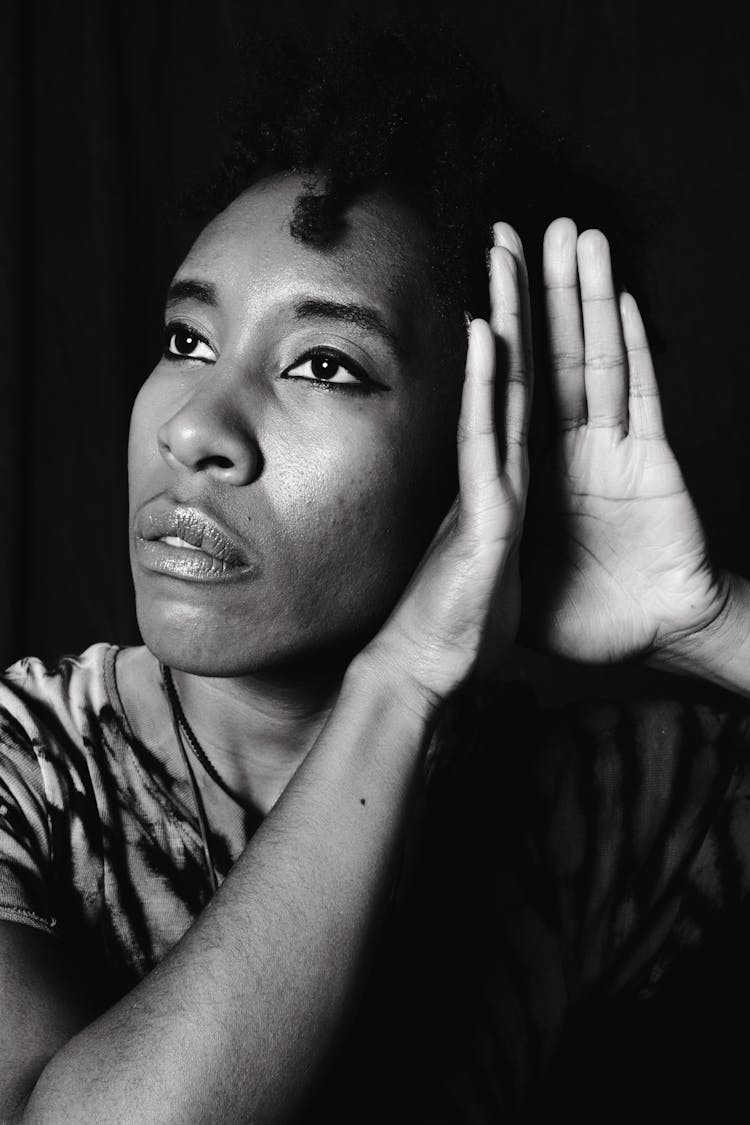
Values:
[(257, 729)]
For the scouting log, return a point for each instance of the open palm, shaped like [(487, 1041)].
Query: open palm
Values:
[(618, 563)]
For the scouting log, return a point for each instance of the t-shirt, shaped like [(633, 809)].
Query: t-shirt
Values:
[(563, 858)]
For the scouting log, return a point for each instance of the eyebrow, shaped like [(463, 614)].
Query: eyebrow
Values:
[(190, 289), (361, 315), (312, 308)]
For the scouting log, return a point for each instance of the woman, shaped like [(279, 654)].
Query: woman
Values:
[(219, 849)]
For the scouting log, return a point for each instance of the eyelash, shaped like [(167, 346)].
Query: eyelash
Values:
[(364, 386), (171, 330)]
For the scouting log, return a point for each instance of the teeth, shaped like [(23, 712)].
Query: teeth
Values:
[(175, 541)]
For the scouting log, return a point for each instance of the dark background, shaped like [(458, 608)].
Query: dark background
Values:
[(108, 108)]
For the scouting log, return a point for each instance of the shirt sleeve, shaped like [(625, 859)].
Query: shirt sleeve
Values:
[(51, 747), (25, 839)]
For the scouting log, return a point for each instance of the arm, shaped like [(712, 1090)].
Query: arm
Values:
[(234, 1022), (231, 1025)]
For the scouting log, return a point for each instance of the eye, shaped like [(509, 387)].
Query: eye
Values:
[(331, 368), (183, 342)]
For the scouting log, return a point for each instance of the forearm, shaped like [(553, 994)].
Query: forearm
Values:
[(720, 652), (231, 1025)]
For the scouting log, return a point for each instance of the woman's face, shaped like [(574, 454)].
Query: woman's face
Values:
[(294, 450)]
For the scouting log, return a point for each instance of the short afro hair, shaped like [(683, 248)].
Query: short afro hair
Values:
[(407, 110)]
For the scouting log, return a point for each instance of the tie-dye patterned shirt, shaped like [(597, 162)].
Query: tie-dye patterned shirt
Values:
[(561, 856), (93, 848)]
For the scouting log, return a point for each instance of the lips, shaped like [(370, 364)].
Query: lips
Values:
[(185, 542)]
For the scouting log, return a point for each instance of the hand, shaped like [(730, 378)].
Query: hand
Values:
[(465, 595), (620, 567)]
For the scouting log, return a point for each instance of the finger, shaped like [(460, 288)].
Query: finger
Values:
[(506, 236), (507, 321), (605, 366), (644, 403), (478, 457), (564, 323)]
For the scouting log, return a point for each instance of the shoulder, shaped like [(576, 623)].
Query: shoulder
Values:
[(57, 719), (69, 684), (92, 844), (48, 714), (58, 701)]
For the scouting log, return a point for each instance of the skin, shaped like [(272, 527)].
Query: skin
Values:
[(620, 567), (233, 1023), (336, 494), (335, 490)]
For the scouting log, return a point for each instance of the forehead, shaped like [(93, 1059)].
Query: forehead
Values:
[(380, 254)]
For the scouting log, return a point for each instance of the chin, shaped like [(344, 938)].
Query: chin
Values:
[(215, 645)]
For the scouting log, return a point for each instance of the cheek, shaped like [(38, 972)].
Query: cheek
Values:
[(340, 517), (359, 515)]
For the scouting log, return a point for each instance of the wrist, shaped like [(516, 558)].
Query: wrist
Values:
[(378, 732), (380, 672), (702, 650)]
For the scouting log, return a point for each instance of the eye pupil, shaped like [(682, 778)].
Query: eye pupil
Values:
[(323, 367), (184, 342)]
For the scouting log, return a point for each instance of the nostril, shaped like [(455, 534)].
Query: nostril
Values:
[(204, 441), (217, 461)]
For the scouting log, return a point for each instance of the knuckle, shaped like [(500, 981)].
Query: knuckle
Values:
[(604, 362), (567, 360), (643, 394), (574, 422), (467, 434), (605, 421), (519, 374), (554, 287), (516, 438), (598, 297), (504, 319)]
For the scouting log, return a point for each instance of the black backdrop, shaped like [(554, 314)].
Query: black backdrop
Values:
[(107, 107)]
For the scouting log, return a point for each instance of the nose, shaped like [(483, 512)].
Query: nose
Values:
[(208, 435)]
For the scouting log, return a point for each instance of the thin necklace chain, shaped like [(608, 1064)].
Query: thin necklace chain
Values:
[(197, 799), (191, 737)]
